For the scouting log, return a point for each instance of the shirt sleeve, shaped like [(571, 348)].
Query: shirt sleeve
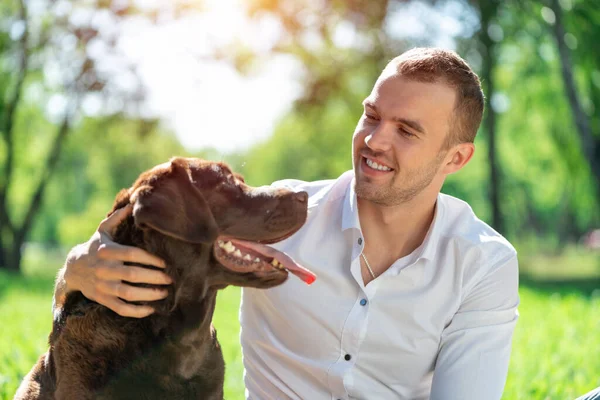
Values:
[(475, 347)]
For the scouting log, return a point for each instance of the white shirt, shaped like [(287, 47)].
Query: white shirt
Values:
[(436, 325)]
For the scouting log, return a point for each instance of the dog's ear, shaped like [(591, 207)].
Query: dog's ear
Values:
[(172, 205), (121, 200)]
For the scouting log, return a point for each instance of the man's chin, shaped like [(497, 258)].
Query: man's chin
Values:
[(366, 190)]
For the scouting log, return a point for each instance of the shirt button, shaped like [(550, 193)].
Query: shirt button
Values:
[(347, 357), (359, 241), (363, 302)]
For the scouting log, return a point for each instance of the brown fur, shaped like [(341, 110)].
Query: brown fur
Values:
[(179, 210)]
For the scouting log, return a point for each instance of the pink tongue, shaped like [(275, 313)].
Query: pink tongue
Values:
[(287, 261)]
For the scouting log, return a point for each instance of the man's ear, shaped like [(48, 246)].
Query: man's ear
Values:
[(461, 154), (173, 206)]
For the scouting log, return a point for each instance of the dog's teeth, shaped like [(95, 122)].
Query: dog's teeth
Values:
[(274, 263), (257, 260), (229, 247), (247, 257), (237, 253), (220, 243)]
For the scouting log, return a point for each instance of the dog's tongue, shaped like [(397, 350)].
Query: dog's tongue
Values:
[(288, 262)]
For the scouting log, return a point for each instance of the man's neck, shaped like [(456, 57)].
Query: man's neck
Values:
[(396, 230)]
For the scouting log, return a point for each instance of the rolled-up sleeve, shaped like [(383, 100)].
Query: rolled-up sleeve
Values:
[(475, 347)]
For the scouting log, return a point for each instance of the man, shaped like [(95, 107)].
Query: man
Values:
[(416, 298)]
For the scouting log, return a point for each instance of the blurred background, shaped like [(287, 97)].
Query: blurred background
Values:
[(94, 92)]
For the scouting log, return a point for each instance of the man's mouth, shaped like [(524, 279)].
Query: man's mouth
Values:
[(375, 166)]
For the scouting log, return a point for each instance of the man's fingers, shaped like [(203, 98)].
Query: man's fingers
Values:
[(111, 222), (124, 309), (119, 252), (120, 272), (132, 293)]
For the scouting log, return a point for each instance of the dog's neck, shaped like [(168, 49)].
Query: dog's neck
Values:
[(191, 301)]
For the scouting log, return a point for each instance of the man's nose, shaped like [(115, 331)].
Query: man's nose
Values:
[(380, 138)]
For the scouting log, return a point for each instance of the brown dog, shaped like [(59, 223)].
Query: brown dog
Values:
[(210, 228)]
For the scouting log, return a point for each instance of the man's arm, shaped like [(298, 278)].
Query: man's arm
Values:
[(475, 349)]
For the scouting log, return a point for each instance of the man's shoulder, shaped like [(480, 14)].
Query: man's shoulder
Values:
[(462, 226)]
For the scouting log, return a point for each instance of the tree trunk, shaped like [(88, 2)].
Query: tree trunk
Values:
[(12, 252), (487, 11), (2, 255), (590, 144), (14, 257)]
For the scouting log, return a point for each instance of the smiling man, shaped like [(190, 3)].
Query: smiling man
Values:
[(416, 298)]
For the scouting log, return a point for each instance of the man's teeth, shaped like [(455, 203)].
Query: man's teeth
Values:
[(231, 249), (376, 166)]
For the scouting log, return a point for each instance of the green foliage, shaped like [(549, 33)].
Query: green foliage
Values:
[(551, 346), (546, 187), (311, 145)]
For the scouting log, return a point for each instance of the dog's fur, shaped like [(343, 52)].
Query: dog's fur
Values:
[(180, 208)]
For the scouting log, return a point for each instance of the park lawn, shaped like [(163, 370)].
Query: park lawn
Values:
[(554, 348)]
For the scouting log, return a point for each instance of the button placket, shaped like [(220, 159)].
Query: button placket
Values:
[(354, 330)]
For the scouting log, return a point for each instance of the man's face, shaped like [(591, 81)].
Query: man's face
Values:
[(402, 130)]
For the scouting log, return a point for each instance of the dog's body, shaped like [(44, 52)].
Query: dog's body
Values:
[(187, 212)]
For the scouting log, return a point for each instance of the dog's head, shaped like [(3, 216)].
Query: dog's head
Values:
[(210, 226)]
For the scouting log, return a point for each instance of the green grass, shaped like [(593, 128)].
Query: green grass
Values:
[(554, 348)]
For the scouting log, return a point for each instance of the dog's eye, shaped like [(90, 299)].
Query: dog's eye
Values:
[(231, 178), (239, 177)]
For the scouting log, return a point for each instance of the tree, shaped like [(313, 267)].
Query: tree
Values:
[(47, 53), (590, 142), (487, 40)]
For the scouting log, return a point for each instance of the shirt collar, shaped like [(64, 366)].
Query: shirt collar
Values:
[(350, 208), (426, 250), (429, 246)]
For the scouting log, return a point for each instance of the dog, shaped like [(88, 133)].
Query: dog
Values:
[(212, 230)]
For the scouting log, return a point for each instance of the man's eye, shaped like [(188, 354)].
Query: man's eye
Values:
[(370, 117), (406, 133)]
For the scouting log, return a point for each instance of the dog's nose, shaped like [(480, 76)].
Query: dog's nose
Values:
[(302, 197)]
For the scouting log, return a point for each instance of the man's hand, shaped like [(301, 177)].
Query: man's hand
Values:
[(97, 269)]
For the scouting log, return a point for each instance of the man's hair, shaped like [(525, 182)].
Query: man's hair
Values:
[(439, 65)]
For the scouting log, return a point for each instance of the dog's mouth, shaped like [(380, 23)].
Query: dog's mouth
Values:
[(243, 256)]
